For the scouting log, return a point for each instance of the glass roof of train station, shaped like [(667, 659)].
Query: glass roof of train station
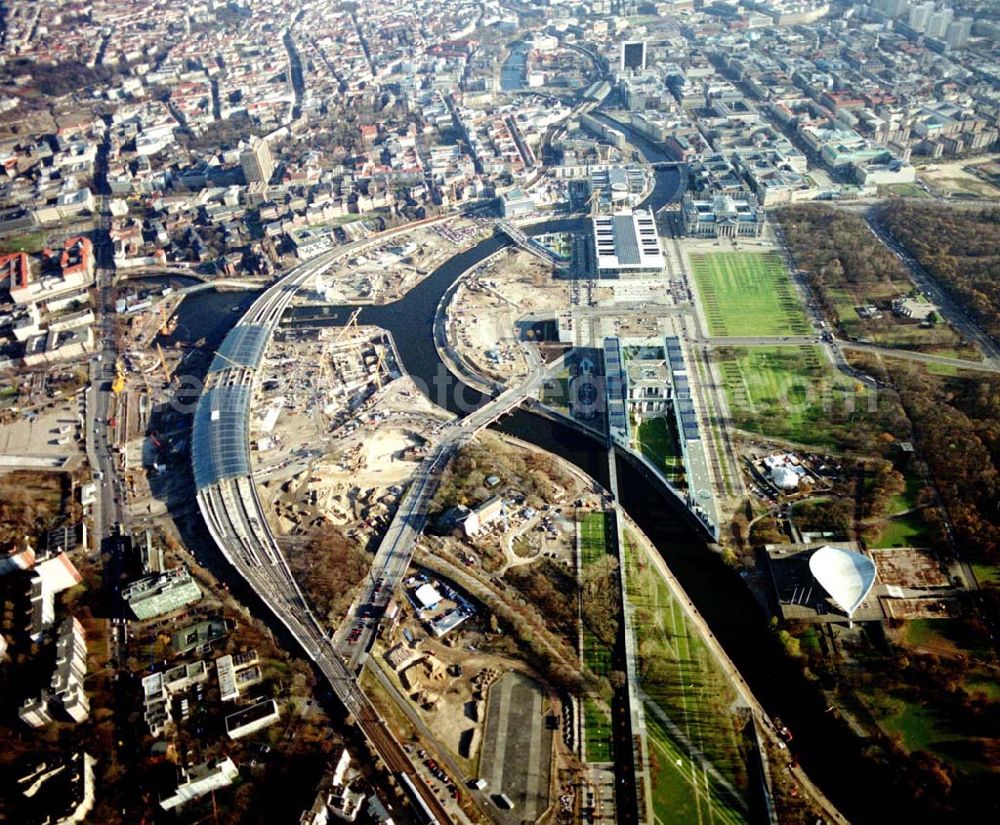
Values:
[(219, 445), (242, 347)]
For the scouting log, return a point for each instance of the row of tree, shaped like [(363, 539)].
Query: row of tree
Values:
[(956, 425)]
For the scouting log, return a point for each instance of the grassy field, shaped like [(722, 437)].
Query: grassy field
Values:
[(598, 727), (689, 707), (748, 293), (594, 528), (903, 531), (908, 497), (681, 791), (658, 443), (784, 391), (987, 573), (30, 242)]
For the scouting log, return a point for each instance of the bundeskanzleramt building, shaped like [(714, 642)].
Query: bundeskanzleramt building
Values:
[(155, 595), (723, 216)]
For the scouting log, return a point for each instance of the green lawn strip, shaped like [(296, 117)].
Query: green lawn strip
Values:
[(593, 544), (658, 444), (682, 792), (678, 673), (907, 498), (986, 573), (945, 370), (598, 728), (960, 354), (747, 293), (593, 541)]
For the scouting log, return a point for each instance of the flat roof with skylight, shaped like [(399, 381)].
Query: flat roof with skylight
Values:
[(627, 243)]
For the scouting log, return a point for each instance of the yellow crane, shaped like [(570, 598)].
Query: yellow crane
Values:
[(352, 323), (119, 382), (163, 363)]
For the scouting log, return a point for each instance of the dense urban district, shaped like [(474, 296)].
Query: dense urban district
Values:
[(499, 411)]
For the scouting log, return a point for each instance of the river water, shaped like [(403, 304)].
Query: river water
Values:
[(824, 746), (512, 71)]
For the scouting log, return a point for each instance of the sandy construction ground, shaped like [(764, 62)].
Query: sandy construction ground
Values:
[(484, 311), (954, 178), (384, 272)]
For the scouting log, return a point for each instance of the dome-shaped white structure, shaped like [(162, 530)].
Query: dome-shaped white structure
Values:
[(845, 575), (785, 478)]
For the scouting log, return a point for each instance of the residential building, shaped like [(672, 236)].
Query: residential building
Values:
[(252, 719), (155, 595), (257, 162), (58, 790), (201, 779), (66, 690)]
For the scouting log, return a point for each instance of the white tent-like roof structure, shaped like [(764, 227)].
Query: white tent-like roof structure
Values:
[(847, 576), (785, 478), (428, 596)]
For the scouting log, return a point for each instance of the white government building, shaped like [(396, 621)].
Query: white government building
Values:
[(627, 244)]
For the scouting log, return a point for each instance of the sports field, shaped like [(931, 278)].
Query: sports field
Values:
[(747, 293), (689, 708)]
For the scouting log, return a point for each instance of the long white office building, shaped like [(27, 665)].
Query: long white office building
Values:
[(627, 244)]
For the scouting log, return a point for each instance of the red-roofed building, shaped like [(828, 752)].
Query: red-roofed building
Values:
[(77, 258), (15, 272)]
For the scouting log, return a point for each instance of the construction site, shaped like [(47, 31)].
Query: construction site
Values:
[(482, 319), (384, 272), (337, 430)]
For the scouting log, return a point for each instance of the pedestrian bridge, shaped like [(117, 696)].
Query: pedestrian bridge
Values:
[(528, 244)]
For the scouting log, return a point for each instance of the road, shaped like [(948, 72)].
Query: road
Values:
[(838, 344), (948, 307), (395, 552)]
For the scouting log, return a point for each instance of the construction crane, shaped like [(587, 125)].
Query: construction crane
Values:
[(352, 323), (165, 326), (593, 202), (378, 367), (229, 360), (163, 363)]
